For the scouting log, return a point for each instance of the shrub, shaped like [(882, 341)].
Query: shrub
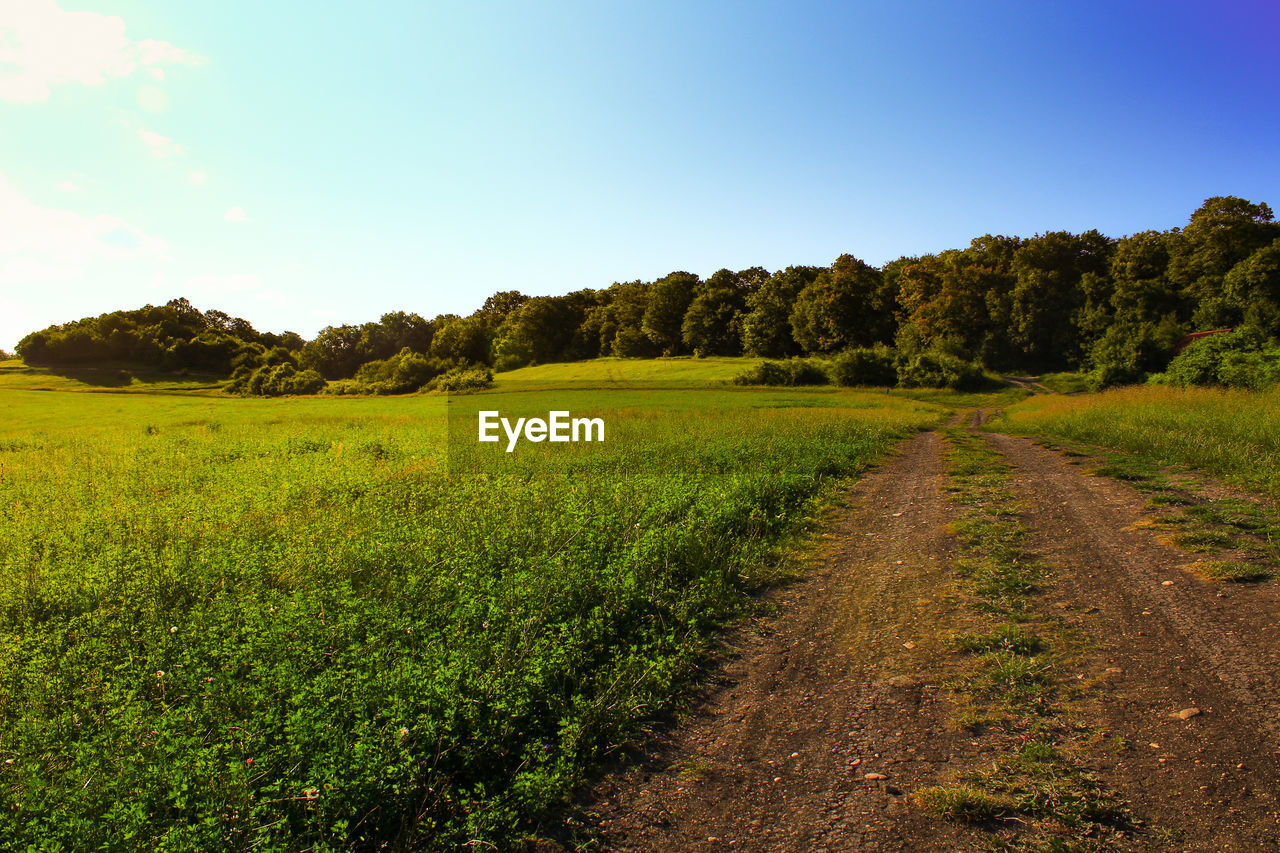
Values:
[(345, 387), (274, 380), (463, 379), (791, 372), (874, 366), (1127, 352), (806, 373), (939, 370), (402, 373), (1240, 359), (765, 373), (1112, 374)]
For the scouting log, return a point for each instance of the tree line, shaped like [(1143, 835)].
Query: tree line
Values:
[(1054, 301)]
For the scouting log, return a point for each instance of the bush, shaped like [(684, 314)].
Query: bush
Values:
[(1128, 352), (791, 372), (1111, 374), (402, 373), (874, 366), (1241, 359), (939, 370), (765, 373), (463, 379), (345, 387), (274, 380)]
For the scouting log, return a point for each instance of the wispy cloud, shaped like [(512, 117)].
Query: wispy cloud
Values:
[(161, 147), (236, 214), (42, 46), (47, 243)]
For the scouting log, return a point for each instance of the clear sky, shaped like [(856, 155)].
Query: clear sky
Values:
[(307, 163)]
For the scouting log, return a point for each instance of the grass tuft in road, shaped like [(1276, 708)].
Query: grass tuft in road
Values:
[(1036, 794), (1230, 570)]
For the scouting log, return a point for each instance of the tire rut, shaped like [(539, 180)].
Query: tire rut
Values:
[(1162, 641)]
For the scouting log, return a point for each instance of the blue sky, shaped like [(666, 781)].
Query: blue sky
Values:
[(301, 164)]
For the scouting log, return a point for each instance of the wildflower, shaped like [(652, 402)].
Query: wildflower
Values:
[(312, 793), (173, 630), (159, 673), (404, 733)]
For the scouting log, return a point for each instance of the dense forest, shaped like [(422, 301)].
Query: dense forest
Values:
[(1052, 302)]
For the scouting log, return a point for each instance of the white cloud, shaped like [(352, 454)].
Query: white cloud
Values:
[(43, 244), (69, 187), (42, 46), (235, 214), (161, 147), (152, 99), (199, 177), (157, 74), (152, 52)]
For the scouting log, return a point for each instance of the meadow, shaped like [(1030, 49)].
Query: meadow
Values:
[(234, 624), (1232, 434)]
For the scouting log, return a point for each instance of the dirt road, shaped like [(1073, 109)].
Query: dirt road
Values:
[(834, 711)]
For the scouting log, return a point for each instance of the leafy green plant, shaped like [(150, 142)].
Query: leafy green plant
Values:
[(791, 372), (940, 370), (865, 366), (462, 380)]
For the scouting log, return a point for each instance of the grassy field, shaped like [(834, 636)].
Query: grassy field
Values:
[(15, 375), (232, 624), (1233, 434), (614, 372)]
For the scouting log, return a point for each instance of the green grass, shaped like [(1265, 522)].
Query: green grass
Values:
[(232, 624), (958, 400), (1231, 434), (1065, 383), (1202, 541), (1232, 571), (16, 375), (623, 372), (1008, 636), (964, 803), (689, 372)]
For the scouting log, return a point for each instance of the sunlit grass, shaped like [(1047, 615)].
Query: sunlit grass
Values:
[(277, 624), (1233, 434)]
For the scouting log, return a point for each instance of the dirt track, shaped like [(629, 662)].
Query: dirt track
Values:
[(846, 681)]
